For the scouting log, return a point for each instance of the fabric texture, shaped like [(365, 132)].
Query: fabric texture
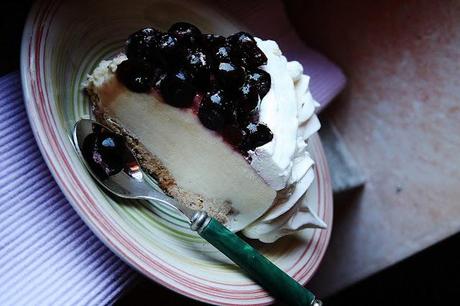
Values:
[(48, 256)]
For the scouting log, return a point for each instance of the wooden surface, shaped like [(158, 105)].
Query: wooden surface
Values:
[(400, 118)]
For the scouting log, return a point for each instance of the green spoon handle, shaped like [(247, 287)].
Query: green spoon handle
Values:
[(258, 267)]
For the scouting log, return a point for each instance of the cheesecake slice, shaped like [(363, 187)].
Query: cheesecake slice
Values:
[(221, 123), (191, 162)]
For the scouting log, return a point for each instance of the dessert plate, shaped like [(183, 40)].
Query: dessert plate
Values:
[(62, 42)]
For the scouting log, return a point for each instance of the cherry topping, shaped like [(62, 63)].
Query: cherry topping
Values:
[(141, 44), (222, 53), (247, 97), (261, 80), (177, 89), (168, 49), (186, 33), (245, 50), (232, 131), (255, 135), (257, 59), (102, 150), (213, 108), (242, 41), (158, 76), (196, 61), (219, 78), (135, 74), (229, 75), (212, 41)]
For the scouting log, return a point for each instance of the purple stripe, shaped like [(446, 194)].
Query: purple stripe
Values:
[(35, 178), (69, 279), (29, 213), (10, 80), (16, 146), (47, 254), (18, 175), (16, 115), (13, 112), (19, 250), (12, 97)]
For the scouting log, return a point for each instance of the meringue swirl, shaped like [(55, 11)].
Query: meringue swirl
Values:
[(288, 110)]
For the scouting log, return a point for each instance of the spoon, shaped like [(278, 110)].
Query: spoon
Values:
[(129, 182)]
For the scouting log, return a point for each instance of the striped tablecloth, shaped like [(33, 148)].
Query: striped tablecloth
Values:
[(48, 256)]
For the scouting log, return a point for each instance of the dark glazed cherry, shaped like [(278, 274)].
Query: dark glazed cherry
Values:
[(257, 59), (247, 97), (250, 59), (212, 41), (102, 150), (245, 50), (255, 87), (213, 108), (196, 61), (135, 74), (142, 44), (261, 80), (110, 146), (242, 41), (186, 33), (229, 75), (255, 135), (219, 51), (177, 89), (168, 49), (222, 53), (158, 76), (232, 131)]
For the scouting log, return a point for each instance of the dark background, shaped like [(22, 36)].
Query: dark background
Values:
[(431, 277)]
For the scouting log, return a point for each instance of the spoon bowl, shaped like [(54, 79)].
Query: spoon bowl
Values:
[(130, 182)]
